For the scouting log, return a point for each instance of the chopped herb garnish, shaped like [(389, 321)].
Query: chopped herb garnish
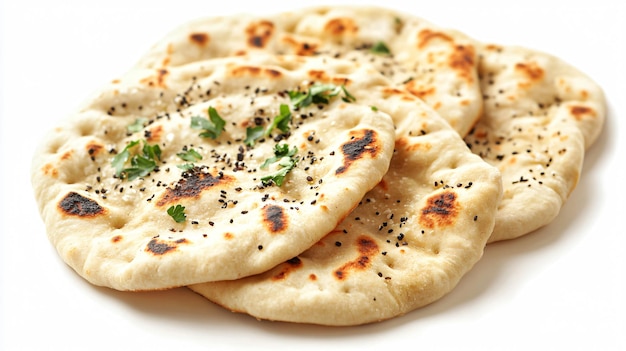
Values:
[(211, 128), (374, 108), (190, 155), (177, 213), (380, 48), (319, 94), (281, 122), (138, 125), (287, 160), (186, 166), (141, 164), (253, 134)]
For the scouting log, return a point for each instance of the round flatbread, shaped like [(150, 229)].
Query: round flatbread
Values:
[(209, 171), (540, 115), (436, 64), (407, 244)]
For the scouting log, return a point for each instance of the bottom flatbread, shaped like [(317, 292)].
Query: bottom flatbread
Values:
[(407, 244)]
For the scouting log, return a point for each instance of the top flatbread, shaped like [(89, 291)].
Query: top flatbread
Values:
[(540, 115), (407, 244), (118, 233), (436, 64)]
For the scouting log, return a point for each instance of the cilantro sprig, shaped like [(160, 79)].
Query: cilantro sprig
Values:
[(190, 156), (319, 94), (141, 163), (177, 213), (137, 126), (380, 48), (281, 122), (287, 160), (211, 128)]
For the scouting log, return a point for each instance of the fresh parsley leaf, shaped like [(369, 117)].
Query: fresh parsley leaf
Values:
[(190, 155), (281, 122), (319, 94), (380, 48), (253, 134), (177, 213), (152, 151), (287, 160), (374, 108), (211, 128), (138, 125), (347, 96), (140, 164), (186, 166)]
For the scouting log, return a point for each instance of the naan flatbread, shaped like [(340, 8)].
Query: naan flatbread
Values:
[(436, 64), (540, 116), (118, 227), (407, 244)]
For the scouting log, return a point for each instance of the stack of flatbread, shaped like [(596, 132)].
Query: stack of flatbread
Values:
[(332, 165)]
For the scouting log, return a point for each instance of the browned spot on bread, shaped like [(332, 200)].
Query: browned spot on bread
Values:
[(362, 143), (312, 277), (463, 61), (74, 204), (161, 247), (321, 76), (419, 91), (531, 70), (252, 71), (579, 112), (366, 248), (300, 48), (228, 236), (67, 155), (154, 134), (49, 169), (288, 267), (158, 80), (115, 81), (94, 148), (200, 39), (426, 35), (341, 26), (191, 185), (405, 144), (259, 33), (275, 218), (441, 210), (116, 239)]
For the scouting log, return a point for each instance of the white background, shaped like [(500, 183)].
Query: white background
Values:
[(562, 287)]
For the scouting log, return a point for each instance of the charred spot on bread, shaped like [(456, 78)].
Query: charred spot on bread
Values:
[(361, 143), (274, 218), (200, 39), (259, 33), (74, 204), (289, 266), (161, 247), (366, 248), (192, 184), (441, 210)]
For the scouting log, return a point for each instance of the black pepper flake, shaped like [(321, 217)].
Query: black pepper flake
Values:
[(337, 243)]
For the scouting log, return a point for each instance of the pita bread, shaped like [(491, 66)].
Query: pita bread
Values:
[(436, 64), (407, 244), (540, 115), (118, 232)]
